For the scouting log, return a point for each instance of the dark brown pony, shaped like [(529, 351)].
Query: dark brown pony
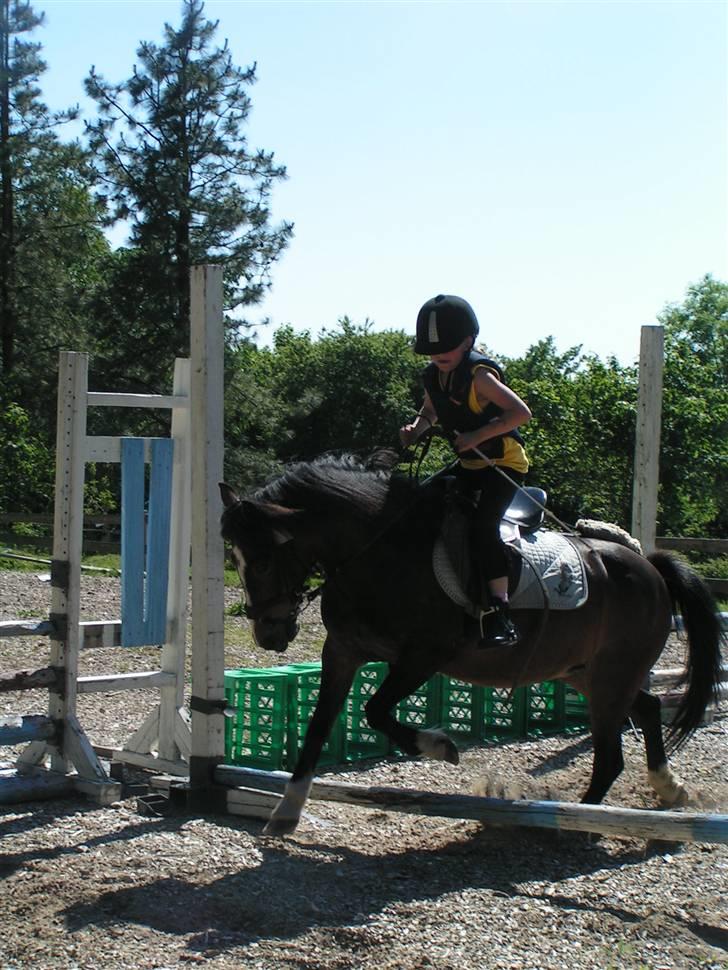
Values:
[(372, 535)]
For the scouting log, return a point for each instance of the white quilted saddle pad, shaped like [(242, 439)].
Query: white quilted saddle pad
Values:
[(552, 568), (552, 558)]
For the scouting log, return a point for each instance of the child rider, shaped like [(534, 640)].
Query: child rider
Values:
[(466, 394)]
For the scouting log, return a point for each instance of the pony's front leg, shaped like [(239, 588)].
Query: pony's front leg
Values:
[(337, 675), (430, 742)]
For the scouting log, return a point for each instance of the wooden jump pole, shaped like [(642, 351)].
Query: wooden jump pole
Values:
[(647, 444), (254, 793)]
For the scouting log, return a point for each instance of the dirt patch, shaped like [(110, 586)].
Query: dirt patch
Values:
[(85, 886)]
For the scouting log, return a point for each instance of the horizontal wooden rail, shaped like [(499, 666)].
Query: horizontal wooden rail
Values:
[(31, 679), (144, 680), (120, 400), (669, 676), (17, 729), (25, 628), (46, 518), (94, 633), (716, 547), (30, 788), (263, 787)]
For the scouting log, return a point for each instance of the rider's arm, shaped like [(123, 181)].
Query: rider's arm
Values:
[(515, 411), (426, 418)]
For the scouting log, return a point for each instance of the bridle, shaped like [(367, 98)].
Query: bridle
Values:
[(288, 589)]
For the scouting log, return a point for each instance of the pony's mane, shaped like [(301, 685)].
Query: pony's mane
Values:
[(363, 486)]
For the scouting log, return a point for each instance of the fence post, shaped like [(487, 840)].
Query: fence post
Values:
[(647, 443), (208, 649)]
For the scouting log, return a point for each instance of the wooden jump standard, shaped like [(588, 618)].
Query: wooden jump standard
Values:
[(255, 793)]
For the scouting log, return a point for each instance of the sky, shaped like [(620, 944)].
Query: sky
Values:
[(563, 166)]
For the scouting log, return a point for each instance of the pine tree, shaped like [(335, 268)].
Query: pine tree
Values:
[(47, 218), (181, 174)]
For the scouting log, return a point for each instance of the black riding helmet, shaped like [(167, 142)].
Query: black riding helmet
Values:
[(443, 323)]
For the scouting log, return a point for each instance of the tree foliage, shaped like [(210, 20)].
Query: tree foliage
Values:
[(173, 162), (694, 440)]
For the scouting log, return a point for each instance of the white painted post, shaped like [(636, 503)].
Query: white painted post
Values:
[(647, 444), (173, 652), (66, 566), (208, 651)]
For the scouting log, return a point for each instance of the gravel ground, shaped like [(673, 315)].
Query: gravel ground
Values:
[(86, 886)]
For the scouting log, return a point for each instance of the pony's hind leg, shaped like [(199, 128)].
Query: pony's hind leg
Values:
[(608, 762), (431, 742), (646, 715)]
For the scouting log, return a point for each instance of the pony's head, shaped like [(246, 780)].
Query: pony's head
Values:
[(271, 572)]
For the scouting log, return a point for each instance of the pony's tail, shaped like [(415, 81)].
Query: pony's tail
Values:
[(691, 595)]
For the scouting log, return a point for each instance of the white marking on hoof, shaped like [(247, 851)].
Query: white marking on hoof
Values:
[(435, 744), (670, 790), (287, 814)]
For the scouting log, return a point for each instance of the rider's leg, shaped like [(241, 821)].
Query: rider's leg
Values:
[(496, 495)]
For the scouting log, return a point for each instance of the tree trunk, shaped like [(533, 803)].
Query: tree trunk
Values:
[(8, 312)]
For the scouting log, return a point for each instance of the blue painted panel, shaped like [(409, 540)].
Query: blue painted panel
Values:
[(160, 516), (132, 542)]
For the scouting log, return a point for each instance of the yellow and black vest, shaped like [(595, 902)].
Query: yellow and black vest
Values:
[(457, 407)]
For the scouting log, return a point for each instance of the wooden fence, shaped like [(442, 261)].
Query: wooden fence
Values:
[(101, 533), (712, 547)]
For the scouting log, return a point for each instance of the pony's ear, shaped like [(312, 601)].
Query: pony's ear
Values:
[(229, 498)]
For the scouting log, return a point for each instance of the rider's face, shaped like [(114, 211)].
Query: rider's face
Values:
[(449, 361)]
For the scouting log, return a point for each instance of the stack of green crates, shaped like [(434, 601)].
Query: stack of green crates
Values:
[(255, 736), (272, 708), (545, 712), (576, 709)]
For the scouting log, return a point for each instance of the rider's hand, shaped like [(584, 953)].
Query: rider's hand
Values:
[(408, 435), (465, 440)]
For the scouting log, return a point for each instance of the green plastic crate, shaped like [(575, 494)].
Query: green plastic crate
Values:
[(255, 736), (422, 708), (546, 712), (504, 715), (462, 707), (576, 708), (304, 684), (360, 740)]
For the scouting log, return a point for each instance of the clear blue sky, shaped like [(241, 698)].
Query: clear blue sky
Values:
[(563, 166)]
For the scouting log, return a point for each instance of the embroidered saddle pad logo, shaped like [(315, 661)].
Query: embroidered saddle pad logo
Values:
[(551, 565), (552, 571)]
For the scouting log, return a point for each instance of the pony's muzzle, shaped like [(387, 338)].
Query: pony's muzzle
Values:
[(274, 634)]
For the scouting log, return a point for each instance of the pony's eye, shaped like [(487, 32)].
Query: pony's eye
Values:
[(260, 568)]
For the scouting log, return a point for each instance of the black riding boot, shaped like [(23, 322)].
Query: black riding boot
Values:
[(496, 627)]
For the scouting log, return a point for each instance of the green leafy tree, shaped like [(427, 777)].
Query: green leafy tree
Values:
[(694, 441), (348, 391), (580, 440), (180, 172), (27, 138)]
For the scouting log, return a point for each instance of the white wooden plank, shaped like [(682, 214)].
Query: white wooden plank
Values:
[(174, 649), (146, 735), (144, 680), (108, 448), (151, 762), (121, 400)]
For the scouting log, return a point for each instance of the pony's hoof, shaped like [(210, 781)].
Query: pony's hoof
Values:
[(452, 755), (435, 744), (278, 827)]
